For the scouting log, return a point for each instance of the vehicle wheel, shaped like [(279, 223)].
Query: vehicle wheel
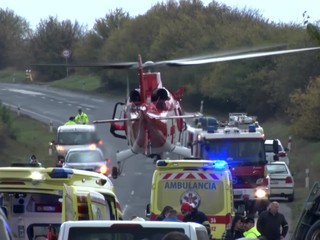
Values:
[(314, 231), (291, 197)]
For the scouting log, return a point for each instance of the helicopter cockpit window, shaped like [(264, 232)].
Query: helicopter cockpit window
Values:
[(135, 96), (159, 97)]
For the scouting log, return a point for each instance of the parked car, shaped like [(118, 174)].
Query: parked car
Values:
[(282, 155), (86, 159), (281, 180)]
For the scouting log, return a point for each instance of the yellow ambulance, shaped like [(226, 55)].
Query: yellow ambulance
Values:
[(36, 200), (205, 183)]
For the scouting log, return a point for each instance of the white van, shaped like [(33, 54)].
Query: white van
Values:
[(75, 136), (128, 230)]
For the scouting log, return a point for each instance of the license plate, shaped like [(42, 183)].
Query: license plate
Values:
[(275, 182)]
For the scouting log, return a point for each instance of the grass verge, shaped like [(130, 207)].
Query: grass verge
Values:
[(78, 82), (10, 75), (32, 137)]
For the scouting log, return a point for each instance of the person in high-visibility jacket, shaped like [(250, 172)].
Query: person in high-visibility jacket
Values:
[(251, 230), (81, 118), (71, 121)]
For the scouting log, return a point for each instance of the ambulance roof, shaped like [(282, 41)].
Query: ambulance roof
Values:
[(192, 163), (33, 178)]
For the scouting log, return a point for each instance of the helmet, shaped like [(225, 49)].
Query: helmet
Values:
[(186, 207)]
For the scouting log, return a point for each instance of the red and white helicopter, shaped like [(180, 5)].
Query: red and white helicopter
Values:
[(153, 120)]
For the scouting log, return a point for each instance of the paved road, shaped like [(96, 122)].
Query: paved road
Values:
[(45, 103)]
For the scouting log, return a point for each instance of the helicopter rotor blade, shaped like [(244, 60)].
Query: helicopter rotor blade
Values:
[(220, 54), (196, 60), (238, 57)]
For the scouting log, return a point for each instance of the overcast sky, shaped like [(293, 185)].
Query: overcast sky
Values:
[(87, 11)]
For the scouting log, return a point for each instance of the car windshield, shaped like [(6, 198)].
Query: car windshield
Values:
[(235, 150), (76, 138), (84, 157), (277, 168)]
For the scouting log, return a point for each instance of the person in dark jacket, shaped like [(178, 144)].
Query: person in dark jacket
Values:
[(192, 214), (272, 224), (164, 213), (236, 230)]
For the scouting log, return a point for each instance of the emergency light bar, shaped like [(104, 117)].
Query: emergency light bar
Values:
[(214, 164), (61, 173)]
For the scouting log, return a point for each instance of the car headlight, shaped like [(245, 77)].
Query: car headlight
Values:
[(260, 193), (60, 148)]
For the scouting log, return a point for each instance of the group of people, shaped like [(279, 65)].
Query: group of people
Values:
[(80, 118), (271, 225), (190, 214)]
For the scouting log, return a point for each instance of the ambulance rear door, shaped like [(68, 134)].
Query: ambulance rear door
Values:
[(83, 205), (207, 190), (97, 207)]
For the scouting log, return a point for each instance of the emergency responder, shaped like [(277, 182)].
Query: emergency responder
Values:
[(236, 230), (250, 229), (163, 213), (192, 214), (81, 118), (71, 121), (272, 224)]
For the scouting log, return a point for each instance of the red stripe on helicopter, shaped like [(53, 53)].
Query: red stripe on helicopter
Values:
[(194, 176)]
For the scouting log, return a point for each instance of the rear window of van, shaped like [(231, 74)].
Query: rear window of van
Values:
[(77, 138)]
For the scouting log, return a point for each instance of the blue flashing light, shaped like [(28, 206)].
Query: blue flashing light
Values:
[(61, 173), (220, 164), (161, 163), (252, 128)]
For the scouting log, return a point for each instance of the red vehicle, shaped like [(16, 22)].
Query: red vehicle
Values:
[(240, 142)]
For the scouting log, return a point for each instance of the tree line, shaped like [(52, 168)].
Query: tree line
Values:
[(286, 85)]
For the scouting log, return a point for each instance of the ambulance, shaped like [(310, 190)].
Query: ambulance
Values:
[(36, 200), (205, 183)]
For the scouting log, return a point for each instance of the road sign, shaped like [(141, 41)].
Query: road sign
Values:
[(66, 53)]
